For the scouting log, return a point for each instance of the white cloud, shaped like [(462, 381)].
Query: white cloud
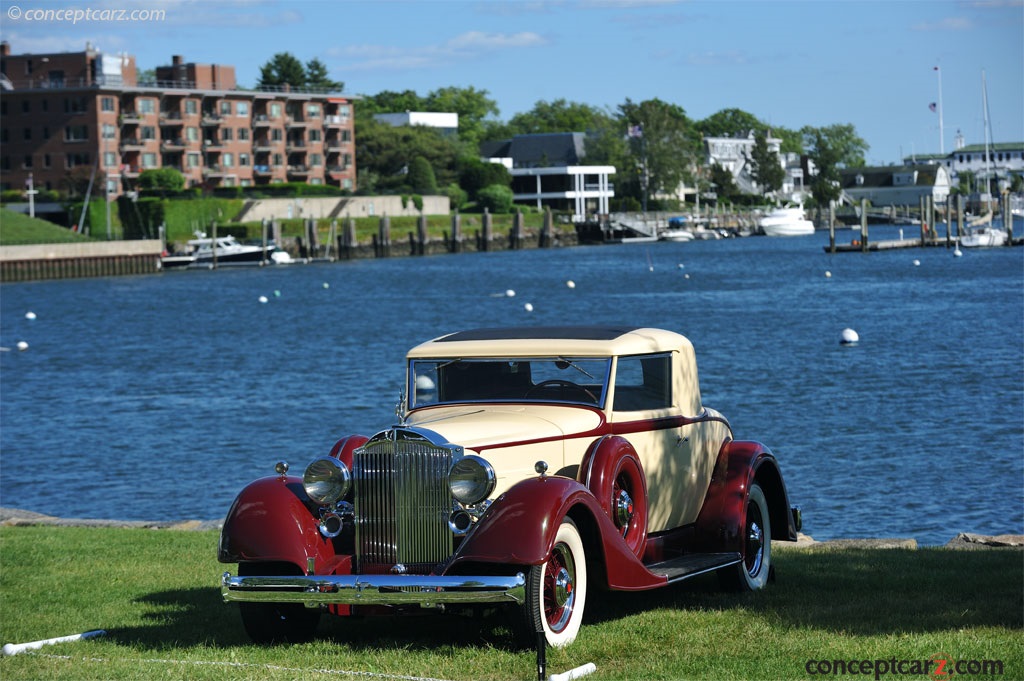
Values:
[(468, 45), (947, 24)]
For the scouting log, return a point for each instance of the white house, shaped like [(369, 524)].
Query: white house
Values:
[(734, 153), (896, 185)]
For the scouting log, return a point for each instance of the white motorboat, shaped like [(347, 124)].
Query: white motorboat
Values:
[(676, 235), (786, 222), (984, 237), (227, 251)]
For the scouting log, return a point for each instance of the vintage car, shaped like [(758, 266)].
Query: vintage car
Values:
[(528, 467)]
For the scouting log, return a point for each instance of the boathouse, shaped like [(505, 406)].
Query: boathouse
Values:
[(548, 170), (896, 185)]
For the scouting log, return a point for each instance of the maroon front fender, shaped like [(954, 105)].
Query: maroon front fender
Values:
[(520, 527), (269, 521)]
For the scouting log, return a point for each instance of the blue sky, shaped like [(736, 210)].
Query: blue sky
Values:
[(792, 64)]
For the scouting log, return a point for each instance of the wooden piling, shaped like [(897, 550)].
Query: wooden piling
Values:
[(864, 225)]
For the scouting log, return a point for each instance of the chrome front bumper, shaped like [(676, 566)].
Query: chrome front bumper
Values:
[(422, 590)]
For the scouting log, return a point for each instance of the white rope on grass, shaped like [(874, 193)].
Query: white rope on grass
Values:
[(247, 665)]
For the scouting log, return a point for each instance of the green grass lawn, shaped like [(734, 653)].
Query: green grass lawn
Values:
[(155, 592), (17, 229)]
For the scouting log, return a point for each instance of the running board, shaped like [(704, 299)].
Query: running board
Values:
[(683, 567)]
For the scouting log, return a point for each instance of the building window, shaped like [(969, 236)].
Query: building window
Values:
[(25, 106), (27, 162), (242, 109), (346, 183), (344, 110), (243, 134), (227, 160), (346, 135), (148, 132), (192, 160), (275, 109), (109, 131), (315, 160), (277, 160), (149, 160), (243, 159), (46, 160), (225, 108), (76, 133), (74, 105), (313, 111), (107, 104), (275, 134), (27, 134), (74, 160), (191, 106), (316, 135), (225, 134), (191, 134), (146, 106), (109, 159)]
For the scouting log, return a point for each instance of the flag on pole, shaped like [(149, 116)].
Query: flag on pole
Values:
[(933, 107), (636, 131)]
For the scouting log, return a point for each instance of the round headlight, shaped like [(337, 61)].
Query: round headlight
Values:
[(471, 479), (326, 480)]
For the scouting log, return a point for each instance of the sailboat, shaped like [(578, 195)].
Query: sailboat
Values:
[(980, 232)]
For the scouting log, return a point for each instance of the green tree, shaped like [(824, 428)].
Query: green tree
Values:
[(496, 198), (161, 179), (475, 174), (388, 101), (731, 123), (664, 146), (317, 77), (472, 106), (723, 181), (421, 177), (283, 69), (559, 116), (766, 169), (831, 148), (386, 154)]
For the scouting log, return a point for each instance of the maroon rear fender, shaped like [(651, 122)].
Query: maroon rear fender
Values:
[(721, 519), (270, 521), (520, 526)]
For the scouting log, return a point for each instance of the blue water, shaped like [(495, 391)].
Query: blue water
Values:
[(159, 397)]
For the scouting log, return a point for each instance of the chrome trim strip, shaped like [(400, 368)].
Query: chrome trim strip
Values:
[(422, 590)]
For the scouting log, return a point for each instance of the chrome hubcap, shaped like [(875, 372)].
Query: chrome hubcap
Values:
[(623, 509), (755, 548), (563, 587)]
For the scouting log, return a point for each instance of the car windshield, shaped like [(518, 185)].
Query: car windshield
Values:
[(581, 380)]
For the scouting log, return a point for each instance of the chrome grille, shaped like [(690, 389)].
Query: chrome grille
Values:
[(402, 501)]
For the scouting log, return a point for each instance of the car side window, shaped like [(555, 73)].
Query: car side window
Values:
[(643, 382)]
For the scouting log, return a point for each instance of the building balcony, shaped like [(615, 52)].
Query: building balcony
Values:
[(263, 171), (210, 118), (171, 118), (295, 145), (129, 171), (293, 122), (214, 171), (337, 170), (129, 118), (173, 145), (212, 144), (332, 121), (299, 170), (132, 143), (260, 120)]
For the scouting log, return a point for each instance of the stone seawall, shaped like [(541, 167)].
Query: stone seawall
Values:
[(86, 259)]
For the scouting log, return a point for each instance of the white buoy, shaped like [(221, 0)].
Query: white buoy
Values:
[(30, 315), (686, 276), (528, 307), (917, 263), (15, 648), (828, 274), (582, 670), (263, 299), (849, 337), (571, 283), (22, 345), (326, 285), (510, 293), (680, 265), (277, 294), (957, 252)]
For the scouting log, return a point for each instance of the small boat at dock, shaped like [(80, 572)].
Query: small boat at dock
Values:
[(789, 221), (203, 251)]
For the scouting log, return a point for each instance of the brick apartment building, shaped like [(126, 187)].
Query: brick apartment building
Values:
[(86, 113)]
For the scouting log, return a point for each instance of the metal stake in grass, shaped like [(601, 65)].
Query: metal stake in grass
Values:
[(15, 648)]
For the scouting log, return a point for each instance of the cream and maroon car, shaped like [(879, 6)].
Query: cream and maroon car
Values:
[(529, 467)]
